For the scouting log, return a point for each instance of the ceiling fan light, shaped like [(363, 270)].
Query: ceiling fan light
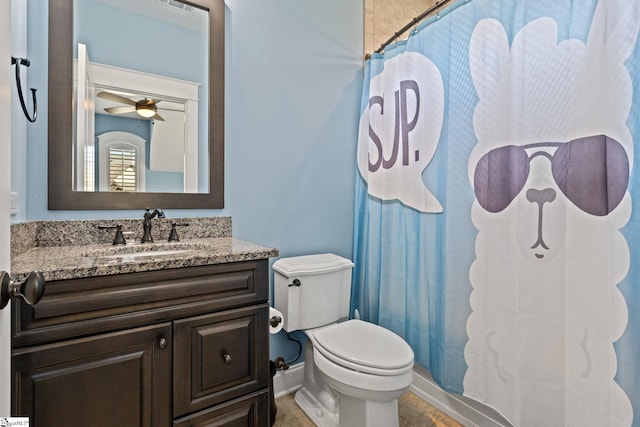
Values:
[(146, 111)]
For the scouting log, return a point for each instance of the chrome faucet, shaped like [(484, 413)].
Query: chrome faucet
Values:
[(146, 224)]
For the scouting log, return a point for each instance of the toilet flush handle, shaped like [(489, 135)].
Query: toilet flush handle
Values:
[(296, 282)]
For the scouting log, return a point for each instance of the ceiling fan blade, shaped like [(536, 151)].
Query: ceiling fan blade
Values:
[(120, 110), (116, 98), (158, 117)]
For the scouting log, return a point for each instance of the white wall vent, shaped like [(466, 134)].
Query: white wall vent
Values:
[(177, 5)]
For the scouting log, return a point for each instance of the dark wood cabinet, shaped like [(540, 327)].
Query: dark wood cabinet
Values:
[(182, 347), (219, 357), (111, 379), (249, 411)]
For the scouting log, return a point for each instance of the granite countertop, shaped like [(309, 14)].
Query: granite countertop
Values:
[(71, 262), (62, 250)]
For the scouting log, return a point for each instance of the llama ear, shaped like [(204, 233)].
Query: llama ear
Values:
[(488, 55), (615, 27)]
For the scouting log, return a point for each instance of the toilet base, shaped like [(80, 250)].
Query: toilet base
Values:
[(353, 412), (314, 409), (366, 413)]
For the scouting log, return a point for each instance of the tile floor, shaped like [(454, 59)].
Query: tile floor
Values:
[(413, 411)]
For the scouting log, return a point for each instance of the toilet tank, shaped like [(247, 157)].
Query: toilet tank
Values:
[(312, 290)]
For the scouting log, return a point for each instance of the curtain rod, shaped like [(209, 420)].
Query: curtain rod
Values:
[(435, 8)]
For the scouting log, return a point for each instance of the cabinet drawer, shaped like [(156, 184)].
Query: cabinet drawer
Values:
[(249, 411), (80, 307), (219, 357)]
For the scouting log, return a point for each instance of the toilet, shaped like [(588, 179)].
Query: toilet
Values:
[(354, 371)]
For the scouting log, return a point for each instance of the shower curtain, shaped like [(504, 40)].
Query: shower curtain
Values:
[(495, 227)]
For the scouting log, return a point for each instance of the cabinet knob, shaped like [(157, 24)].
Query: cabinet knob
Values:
[(31, 289), (227, 358), (162, 343)]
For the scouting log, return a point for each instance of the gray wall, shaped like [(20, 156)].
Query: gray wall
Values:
[(293, 85)]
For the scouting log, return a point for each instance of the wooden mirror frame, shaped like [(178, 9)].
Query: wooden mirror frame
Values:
[(60, 127)]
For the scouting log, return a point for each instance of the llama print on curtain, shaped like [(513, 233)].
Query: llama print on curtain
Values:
[(495, 227), (550, 172)]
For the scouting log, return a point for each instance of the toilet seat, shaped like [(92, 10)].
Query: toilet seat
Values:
[(354, 382), (364, 347)]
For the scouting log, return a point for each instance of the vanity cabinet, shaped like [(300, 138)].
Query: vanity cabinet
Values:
[(112, 379), (183, 347)]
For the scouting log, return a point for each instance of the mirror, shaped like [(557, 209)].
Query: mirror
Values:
[(103, 154)]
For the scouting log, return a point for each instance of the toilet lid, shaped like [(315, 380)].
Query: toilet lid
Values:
[(360, 345), (311, 264)]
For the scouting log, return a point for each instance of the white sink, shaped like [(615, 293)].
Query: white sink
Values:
[(144, 254), (138, 250)]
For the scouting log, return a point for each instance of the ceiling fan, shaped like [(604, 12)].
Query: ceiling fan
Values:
[(145, 107)]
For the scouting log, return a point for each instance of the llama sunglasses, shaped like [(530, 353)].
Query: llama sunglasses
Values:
[(592, 172)]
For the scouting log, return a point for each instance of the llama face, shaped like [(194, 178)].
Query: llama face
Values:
[(591, 173)]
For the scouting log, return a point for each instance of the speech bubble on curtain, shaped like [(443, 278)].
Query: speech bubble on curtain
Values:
[(399, 130)]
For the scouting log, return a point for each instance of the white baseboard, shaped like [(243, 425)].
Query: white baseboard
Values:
[(286, 382), (464, 410)]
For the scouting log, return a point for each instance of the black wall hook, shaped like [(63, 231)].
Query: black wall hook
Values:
[(18, 62)]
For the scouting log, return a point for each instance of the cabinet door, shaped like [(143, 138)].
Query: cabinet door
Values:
[(218, 357), (250, 411), (117, 379)]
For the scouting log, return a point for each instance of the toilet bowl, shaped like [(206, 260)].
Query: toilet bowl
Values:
[(366, 366), (354, 371)]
